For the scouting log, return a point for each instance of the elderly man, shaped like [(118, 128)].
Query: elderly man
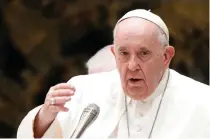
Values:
[(143, 98), (95, 64)]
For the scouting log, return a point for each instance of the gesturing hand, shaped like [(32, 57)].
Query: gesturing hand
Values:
[(56, 98)]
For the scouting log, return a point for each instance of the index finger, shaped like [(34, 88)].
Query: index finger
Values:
[(63, 86)]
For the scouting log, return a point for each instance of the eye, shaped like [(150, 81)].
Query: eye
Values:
[(145, 53), (124, 53), (123, 56)]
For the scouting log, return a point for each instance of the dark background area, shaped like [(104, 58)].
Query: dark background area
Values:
[(45, 42)]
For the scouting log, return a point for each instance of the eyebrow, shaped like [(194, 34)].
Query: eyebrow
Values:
[(123, 48), (144, 48)]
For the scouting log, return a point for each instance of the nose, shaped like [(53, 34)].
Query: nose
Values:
[(133, 64)]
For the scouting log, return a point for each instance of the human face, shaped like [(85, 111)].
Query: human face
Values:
[(140, 58)]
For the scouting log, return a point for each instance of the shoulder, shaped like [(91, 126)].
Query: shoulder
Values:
[(190, 94), (189, 89), (184, 82)]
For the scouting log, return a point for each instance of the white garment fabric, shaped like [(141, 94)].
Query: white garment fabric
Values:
[(184, 112), (141, 118), (141, 114)]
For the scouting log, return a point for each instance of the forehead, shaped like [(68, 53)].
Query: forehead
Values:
[(136, 32)]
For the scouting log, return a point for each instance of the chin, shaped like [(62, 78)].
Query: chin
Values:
[(137, 95)]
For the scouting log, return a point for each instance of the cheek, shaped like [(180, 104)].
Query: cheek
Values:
[(122, 67), (153, 71)]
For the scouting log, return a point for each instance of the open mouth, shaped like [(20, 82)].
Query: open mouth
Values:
[(134, 80)]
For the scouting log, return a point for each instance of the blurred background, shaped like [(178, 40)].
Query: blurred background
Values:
[(45, 42)]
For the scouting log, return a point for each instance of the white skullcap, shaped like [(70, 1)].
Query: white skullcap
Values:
[(141, 13)]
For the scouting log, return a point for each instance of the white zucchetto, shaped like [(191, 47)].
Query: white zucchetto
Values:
[(147, 15)]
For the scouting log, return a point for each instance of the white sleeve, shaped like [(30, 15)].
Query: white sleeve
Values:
[(64, 121), (25, 129)]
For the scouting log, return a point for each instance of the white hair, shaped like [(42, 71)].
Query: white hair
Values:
[(102, 61), (162, 38)]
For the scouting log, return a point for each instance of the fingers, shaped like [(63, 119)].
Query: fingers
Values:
[(58, 108), (60, 100), (62, 92), (63, 86), (59, 95)]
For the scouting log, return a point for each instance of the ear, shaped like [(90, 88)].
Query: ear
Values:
[(112, 50), (169, 54)]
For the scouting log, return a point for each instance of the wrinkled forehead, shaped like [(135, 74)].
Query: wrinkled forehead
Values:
[(136, 31), (136, 26)]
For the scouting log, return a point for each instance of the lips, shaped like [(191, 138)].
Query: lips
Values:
[(135, 82), (135, 79)]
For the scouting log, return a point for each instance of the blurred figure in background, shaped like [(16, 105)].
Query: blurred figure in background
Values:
[(102, 61)]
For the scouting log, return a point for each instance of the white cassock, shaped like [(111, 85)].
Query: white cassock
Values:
[(180, 111)]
